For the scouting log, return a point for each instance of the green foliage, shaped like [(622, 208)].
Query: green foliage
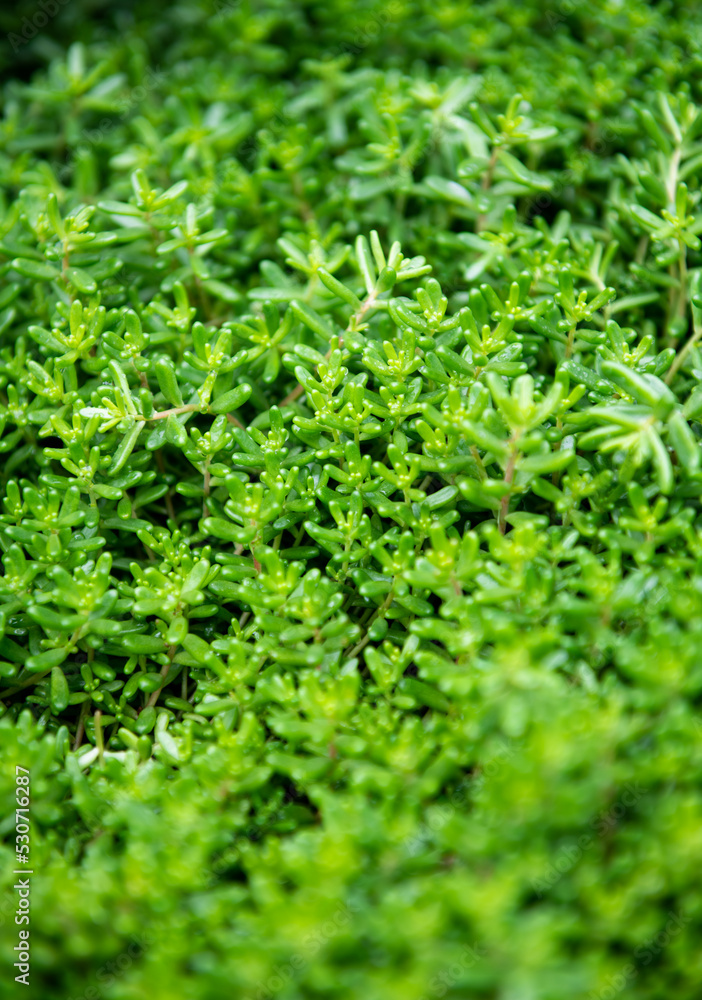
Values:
[(351, 409)]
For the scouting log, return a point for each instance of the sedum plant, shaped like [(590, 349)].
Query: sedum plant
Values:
[(350, 414)]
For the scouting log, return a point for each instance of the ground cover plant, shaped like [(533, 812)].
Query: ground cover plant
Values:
[(351, 406)]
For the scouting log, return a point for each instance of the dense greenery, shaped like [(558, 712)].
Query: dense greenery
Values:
[(351, 408)]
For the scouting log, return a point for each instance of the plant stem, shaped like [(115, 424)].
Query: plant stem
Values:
[(682, 354), (34, 679), (356, 318), (379, 613), (164, 673), (206, 486), (671, 184), (162, 414), (99, 742), (485, 185), (80, 729), (504, 502), (682, 294)]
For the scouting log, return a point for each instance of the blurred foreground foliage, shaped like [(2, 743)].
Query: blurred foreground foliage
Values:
[(351, 405)]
